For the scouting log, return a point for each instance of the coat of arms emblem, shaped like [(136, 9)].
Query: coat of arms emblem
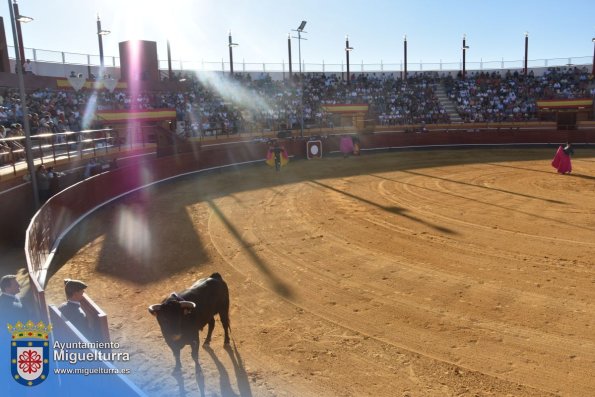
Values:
[(29, 353)]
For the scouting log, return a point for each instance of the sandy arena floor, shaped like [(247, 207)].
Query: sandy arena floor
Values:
[(435, 273)]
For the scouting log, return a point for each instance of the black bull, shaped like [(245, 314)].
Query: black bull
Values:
[(182, 315)]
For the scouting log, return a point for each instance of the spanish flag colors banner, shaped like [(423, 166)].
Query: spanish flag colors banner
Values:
[(124, 116), (63, 83), (346, 108), (565, 103)]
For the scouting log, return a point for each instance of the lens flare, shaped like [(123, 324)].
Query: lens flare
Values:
[(134, 235)]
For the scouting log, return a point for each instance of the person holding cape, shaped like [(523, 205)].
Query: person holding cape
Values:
[(561, 160)]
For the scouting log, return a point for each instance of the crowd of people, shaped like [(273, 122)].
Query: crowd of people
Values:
[(242, 103), (493, 97)]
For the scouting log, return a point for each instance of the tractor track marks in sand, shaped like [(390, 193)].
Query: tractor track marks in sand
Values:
[(392, 274), (318, 280)]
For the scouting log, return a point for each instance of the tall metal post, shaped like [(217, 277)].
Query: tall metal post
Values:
[(464, 53), (593, 71), (405, 57), (230, 54), (347, 58), (15, 8), (526, 51), (300, 50), (299, 31), (170, 73), (28, 153), (100, 39), (301, 84), (289, 51)]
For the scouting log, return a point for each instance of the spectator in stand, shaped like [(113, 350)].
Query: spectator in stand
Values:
[(17, 146), (4, 147), (481, 97), (27, 67)]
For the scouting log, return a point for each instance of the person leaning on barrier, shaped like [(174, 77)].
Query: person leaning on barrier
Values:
[(11, 307), (71, 309), (43, 183), (54, 177)]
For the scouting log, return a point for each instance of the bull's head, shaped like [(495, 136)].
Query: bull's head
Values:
[(170, 314)]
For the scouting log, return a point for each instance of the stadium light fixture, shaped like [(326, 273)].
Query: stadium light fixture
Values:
[(24, 19)]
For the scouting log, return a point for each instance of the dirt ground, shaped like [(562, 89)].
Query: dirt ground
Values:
[(426, 273)]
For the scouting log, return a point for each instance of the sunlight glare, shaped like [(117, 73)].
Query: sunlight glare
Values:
[(232, 91), (133, 234)]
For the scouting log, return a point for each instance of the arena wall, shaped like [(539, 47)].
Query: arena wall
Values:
[(71, 205), (64, 210)]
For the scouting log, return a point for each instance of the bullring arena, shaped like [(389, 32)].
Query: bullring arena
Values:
[(417, 243), (452, 272)]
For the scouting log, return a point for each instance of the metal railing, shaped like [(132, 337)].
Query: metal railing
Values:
[(51, 147), (362, 67), (70, 58)]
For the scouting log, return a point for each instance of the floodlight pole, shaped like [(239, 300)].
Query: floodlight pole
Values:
[(405, 57), (593, 71), (289, 50), (28, 153), (15, 8), (347, 51), (526, 51), (170, 73), (100, 39), (301, 84), (300, 50), (465, 48), (299, 31), (230, 54)]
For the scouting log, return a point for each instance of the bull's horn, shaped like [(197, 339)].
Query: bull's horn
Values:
[(187, 305), (175, 296), (153, 309)]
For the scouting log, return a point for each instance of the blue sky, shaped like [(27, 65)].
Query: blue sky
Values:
[(198, 29)]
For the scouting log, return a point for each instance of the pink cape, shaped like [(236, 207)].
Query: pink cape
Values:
[(346, 145), (561, 162)]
